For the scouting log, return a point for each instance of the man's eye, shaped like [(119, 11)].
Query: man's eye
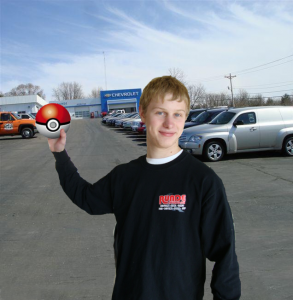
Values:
[(160, 113), (178, 115)]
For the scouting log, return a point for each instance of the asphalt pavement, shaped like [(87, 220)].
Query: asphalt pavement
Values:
[(52, 250)]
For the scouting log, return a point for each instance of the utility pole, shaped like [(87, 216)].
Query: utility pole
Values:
[(230, 77), (105, 70)]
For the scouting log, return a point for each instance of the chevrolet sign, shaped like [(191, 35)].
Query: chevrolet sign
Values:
[(125, 94)]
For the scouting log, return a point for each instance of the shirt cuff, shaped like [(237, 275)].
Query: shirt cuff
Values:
[(61, 157)]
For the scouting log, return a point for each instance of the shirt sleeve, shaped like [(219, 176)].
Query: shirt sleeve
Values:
[(218, 238), (95, 199)]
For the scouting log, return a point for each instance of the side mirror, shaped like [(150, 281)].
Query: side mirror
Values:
[(239, 122)]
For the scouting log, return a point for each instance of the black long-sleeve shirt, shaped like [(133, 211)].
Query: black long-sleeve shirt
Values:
[(170, 217)]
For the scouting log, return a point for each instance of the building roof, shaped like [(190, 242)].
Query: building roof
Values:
[(22, 100)]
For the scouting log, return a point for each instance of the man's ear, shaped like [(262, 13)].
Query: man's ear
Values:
[(141, 114)]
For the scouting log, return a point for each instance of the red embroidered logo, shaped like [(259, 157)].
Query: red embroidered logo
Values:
[(172, 202)]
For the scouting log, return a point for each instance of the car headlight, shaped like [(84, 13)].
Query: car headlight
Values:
[(195, 138)]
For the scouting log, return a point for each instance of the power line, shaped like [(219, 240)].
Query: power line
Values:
[(271, 92), (244, 86), (212, 78), (263, 64), (265, 68), (272, 87)]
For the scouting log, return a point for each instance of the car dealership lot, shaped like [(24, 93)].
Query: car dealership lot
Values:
[(50, 249)]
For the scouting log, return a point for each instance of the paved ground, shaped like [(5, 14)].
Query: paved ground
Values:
[(52, 250)]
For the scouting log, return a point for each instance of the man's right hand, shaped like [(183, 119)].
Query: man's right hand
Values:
[(58, 145)]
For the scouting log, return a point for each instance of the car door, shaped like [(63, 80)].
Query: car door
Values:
[(248, 134), (7, 124), (271, 124)]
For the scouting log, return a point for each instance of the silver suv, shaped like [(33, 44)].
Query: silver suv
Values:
[(237, 130)]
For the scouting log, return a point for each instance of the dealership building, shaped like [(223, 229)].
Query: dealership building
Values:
[(127, 99)]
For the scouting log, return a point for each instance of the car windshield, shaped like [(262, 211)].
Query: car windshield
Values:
[(223, 118), (32, 116), (193, 114), (17, 117), (201, 118)]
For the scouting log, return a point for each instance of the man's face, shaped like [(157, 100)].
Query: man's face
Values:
[(164, 122)]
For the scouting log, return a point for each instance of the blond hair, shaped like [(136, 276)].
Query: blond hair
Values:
[(159, 87)]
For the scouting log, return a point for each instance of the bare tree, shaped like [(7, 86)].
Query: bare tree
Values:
[(68, 91), (1, 94), (96, 93), (258, 100), (242, 99), (26, 89), (217, 99), (270, 102), (178, 74), (197, 95)]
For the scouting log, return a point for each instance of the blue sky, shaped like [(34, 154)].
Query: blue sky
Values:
[(48, 42)]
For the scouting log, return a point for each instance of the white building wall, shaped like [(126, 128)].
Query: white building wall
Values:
[(28, 103), (33, 103)]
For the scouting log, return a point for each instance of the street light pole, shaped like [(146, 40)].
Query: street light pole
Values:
[(105, 70)]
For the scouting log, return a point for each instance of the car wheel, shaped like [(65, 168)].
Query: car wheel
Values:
[(213, 151), (288, 146), (26, 133)]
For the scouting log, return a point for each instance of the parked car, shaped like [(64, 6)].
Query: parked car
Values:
[(135, 124), (239, 130), (141, 127), (122, 116), (109, 121), (12, 124), (26, 116), (130, 116), (128, 124), (193, 113), (109, 116), (204, 117)]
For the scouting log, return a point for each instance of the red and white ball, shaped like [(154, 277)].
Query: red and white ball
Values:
[(51, 118)]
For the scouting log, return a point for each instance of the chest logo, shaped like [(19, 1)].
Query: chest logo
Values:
[(172, 202)]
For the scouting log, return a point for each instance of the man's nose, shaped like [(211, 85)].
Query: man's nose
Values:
[(168, 122)]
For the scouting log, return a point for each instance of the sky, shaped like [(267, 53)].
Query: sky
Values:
[(125, 44)]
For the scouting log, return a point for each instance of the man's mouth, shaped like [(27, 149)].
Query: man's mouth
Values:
[(168, 134)]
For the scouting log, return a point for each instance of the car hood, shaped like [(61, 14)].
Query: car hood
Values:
[(205, 128), (190, 124)]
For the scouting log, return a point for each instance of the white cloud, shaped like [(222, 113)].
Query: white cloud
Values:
[(242, 37)]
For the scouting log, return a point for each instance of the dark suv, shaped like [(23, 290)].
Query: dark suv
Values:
[(204, 117)]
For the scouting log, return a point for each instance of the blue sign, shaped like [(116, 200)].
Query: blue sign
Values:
[(120, 97)]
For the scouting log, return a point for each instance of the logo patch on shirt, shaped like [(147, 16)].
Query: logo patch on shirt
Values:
[(172, 202)]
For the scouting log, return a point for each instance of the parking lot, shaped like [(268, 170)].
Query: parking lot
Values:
[(50, 249)]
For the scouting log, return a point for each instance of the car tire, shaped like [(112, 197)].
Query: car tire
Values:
[(27, 133), (288, 146), (214, 151)]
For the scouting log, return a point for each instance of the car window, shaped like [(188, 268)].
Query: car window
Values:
[(7, 117), (247, 118), (223, 118), (17, 117)]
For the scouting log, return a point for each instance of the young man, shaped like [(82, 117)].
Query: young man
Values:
[(171, 209)]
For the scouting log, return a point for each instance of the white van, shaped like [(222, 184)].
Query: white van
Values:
[(237, 130)]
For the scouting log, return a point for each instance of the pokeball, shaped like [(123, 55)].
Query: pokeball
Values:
[(51, 118)]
